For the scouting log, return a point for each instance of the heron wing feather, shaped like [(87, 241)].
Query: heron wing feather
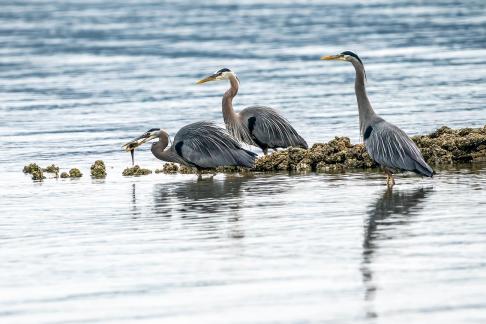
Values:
[(208, 146), (271, 128), (390, 147)]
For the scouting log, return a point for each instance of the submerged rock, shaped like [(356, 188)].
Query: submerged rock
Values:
[(75, 173), (136, 171), (98, 170), (64, 175)]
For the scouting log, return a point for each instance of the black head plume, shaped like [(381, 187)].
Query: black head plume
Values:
[(353, 55), (224, 70), (153, 130)]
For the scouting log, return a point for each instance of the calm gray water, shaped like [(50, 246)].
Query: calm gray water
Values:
[(80, 78)]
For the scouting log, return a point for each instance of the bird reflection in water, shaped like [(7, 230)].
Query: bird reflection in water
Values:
[(210, 200), (133, 206), (395, 207)]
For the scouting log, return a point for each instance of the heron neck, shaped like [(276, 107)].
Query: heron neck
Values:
[(229, 114), (159, 148), (366, 112)]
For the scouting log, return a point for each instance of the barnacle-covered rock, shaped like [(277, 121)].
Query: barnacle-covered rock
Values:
[(304, 165), (444, 146), (32, 167), (187, 170), (98, 169), (277, 161), (75, 173), (136, 171), (169, 168), (34, 170), (447, 146), (52, 169), (444, 130), (38, 175), (295, 156)]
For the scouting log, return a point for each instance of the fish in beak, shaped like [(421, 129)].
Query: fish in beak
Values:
[(140, 140)]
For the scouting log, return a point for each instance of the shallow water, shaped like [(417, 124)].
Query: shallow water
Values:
[(80, 78)]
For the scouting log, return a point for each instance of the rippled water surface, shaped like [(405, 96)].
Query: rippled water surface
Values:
[(80, 78)]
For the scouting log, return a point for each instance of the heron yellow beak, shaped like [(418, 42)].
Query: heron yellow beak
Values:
[(209, 78), (333, 57)]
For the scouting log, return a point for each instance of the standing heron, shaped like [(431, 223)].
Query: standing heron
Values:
[(202, 145), (256, 125), (387, 144)]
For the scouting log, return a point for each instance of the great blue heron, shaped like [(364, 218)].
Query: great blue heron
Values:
[(256, 125), (202, 145), (387, 144)]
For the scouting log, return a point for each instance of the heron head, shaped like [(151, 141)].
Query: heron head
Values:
[(145, 137), (223, 74), (344, 56)]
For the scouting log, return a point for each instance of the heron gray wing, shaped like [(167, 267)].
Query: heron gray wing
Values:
[(390, 147), (205, 145), (270, 129)]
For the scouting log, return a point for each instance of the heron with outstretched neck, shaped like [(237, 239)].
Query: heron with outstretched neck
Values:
[(387, 144), (260, 126), (201, 145)]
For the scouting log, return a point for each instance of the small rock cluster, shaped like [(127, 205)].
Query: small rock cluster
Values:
[(73, 173), (34, 170), (38, 173), (98, 170), (136, 171), (52, 169)]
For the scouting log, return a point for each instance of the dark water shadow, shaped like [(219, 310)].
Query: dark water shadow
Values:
[(392, 209)]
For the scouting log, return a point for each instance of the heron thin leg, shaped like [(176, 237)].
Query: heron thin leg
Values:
[(265, 151), (390, 181)]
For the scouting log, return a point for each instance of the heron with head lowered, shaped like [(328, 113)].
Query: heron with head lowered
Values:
[(201, 145), (387, 144), (257, 125)]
